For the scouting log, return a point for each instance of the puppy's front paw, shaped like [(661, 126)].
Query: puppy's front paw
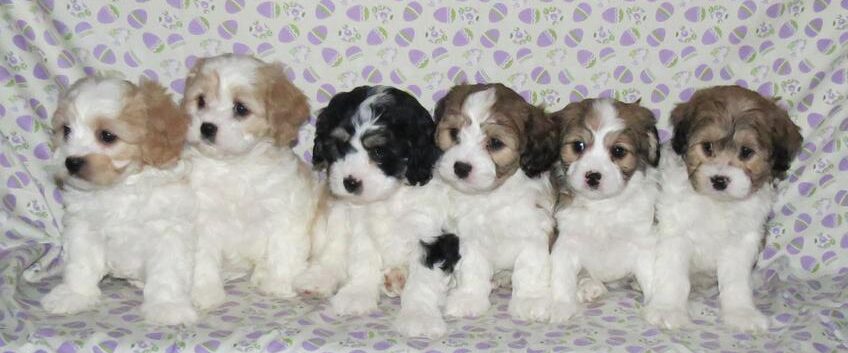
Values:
[(529, 309), (394, 280), (268, 284), (590, 289), (168, 313), (464, 305), (206, 297), (315, 282), (666, 317), (353, 302), (63, 300), (420, 323), (745, 319), (562, 311)]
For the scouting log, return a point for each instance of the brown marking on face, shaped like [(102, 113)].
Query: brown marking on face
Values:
[(737, 126), (508, 123), (198, 83)]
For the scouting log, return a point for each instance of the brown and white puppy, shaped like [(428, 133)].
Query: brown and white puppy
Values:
[(129, 205), (730, 146), (606, 176), (501, 206), (256, 198)]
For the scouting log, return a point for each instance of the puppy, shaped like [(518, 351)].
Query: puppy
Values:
[(128, 202), (729, 146), (502, 213), (376, 145), (606, 176), (256, 198)]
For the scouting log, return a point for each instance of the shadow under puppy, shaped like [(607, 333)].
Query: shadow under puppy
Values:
[(128, 203), (256, 198), (501, 206), (730, 147), (376, 145), (607, 179)]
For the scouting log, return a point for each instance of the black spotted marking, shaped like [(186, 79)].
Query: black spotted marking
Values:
[(443, 251)]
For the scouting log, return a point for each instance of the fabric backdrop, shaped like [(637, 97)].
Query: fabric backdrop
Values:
[(552, 52)]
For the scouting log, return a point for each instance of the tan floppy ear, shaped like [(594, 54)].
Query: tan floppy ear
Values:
[(165, 125), (286, 106), (786, 140)]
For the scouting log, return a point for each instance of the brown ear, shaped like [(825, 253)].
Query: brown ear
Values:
[(786, 140), (681, 121), (286, 106), (165, 125)]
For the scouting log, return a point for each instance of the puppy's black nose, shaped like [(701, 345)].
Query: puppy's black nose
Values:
[(719, 182), (462, 169), (208, 130), (352, 185), (593, 179), (74, 164)]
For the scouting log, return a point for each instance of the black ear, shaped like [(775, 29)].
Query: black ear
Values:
[(681, 122), (341, 107), (420, 132), (542, 146), (786, 141)]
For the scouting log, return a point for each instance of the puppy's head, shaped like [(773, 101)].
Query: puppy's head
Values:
[(107, 129), (484, 131), (603, 143), (237, 101), (371, 140), (733, 141)]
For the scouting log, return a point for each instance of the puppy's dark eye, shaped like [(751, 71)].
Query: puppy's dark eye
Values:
[(240, 110), (618, 152), (745, 153), (454, 134), (495, 144), (66, 131), (107, 137), (708, 148), (578, 146), (378, 152), (201, 102)]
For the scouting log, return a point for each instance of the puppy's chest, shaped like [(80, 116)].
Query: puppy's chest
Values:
[(219, 183)]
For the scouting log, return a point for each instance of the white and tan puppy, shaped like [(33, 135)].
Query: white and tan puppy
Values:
[(607, 179), (256, 198), (128, 201), (730, 145), (502, 213)]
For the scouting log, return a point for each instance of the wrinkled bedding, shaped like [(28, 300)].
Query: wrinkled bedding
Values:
[(551, 52)]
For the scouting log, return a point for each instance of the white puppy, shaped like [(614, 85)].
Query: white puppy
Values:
[(729, 146), (607, 181), (256, 198), (502, 213), (129, 205)]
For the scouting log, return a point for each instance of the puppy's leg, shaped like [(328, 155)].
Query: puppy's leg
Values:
[(328, 263), (285, 257), (565, 266), (85, 267), (429, 275), (362, 291), (668, 294), (167, 287), (474, 279), (735, 293), (207, 290), (530, 283)]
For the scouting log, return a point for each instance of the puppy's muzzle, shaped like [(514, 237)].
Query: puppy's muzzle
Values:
[(352, 185), (719, 182), (208, 131), (74, 164)]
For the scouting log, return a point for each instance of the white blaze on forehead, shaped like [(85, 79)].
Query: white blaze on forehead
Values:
[(99, 99), (365, 118), (478, 105), (608, 120), (232, 71)]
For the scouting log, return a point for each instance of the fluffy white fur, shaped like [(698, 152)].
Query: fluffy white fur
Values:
[(705, 236)]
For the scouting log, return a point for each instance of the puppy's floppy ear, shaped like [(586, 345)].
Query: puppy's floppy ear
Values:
[(540, 153), (653, 139), (340, 107), (681, 122), (420, 131), (165, 125), (786, 140), (287, 107)]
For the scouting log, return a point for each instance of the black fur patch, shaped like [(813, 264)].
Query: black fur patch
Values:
[(443, 251)]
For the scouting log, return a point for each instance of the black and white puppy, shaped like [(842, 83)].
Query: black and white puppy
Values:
[(376, 145)]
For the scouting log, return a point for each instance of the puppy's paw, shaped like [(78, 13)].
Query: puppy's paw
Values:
[(529, 309), (268, 284), (420, 323), (464, 305), (353, 302), (590, 289), (749, 320), (667, 317), (394, 280), (168, 313), (208, 296), (562, 311), (315, 282), (63, 300)]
